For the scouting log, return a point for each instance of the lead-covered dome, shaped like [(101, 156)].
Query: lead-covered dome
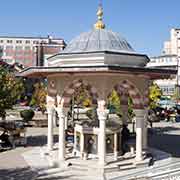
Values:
[(98, 47), (98, 40)]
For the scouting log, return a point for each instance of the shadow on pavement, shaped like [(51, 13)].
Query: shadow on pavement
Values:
[(165, 129), (39, 140), (27, 174), (17, 174), (160, 139)]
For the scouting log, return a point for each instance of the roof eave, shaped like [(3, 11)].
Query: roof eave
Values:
[(153, 73)]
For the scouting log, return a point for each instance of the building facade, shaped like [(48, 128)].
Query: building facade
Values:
[(169, 60), (168, 86), (173, 45), (29, 51)]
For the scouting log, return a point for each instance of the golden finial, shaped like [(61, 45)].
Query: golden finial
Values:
[(99, 24)]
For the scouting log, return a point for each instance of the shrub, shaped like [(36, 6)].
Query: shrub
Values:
[(27, 115)]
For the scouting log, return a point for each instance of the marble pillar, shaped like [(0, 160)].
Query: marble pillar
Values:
[(82, 145), (50, 112), (115, 146), (102, 116), (145, 133), (61, 116), (139, 133)]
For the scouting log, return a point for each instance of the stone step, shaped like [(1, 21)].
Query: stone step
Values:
[(49, 171), (83, 163), (144, 163), (68, 174), (75, 167), (127, 167), (125, 164), (111, 169)]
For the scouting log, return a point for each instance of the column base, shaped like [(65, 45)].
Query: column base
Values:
[(62, 164), (138, 159), (62, 159), (49, 151), (74, 153), (116, 155), (102, 164)]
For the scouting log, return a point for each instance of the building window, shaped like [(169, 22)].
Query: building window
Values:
[(18, 41), (9, 51), (28, 42), (9, 41), (35, 42), (27, 48), (18, 60), (9, 47), (1, 41), (19, 50), (26, 61)]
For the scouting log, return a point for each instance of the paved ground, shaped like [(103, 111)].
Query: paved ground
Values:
[(12, 164), (165, 136)]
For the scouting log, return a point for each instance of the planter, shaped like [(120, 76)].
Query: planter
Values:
[(27, 115)]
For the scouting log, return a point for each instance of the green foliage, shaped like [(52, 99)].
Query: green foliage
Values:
[(27, 114), (130, 108), (114, 103), (155, 94), (39, 96), (82, 97), (11, 89)]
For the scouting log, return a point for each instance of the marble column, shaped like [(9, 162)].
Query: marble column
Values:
[(66, 122), (115, 146), (145, 132), (54, 119), (82, 145), (102, 116), (61, 134), (50, 112), (75, 142), (139, 133)]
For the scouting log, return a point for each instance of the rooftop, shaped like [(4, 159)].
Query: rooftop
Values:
[(98, 40)]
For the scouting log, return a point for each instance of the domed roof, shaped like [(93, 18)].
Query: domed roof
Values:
[(98, 40)]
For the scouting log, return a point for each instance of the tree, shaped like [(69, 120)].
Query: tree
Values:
[(82, 97), (39, 96), (114, 103), (11, 89), (155, 94)]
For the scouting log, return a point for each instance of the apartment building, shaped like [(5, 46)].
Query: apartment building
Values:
[(29, 51), (173, 45), (168, 61)]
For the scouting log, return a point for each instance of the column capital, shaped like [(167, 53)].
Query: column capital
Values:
[(140, 113), (60, 112), (50, 110), (102, 114)]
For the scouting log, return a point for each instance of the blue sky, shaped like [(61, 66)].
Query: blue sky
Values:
[(144, 23)]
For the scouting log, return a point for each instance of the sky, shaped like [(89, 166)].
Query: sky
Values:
[(145, 24)]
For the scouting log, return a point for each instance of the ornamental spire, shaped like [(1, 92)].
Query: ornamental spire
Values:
[(99, 24)]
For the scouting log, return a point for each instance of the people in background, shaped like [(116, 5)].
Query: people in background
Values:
[(4, 137)]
